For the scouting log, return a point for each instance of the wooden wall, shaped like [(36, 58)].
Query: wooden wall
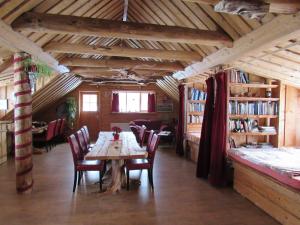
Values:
[(292, 117), (106, 116)]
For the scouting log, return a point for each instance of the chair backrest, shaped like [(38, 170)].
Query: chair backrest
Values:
[(135, 130), (84, 136), (142, 133), (153, 147), (57, 128), (51, 130), (150, 136), (75, 149), (87, 134), (82, 145), (62, 127)]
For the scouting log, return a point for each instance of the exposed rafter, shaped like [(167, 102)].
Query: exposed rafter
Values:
[(281, 28), (123, 64), (207, 2), (122, 51), (61, 24), (95, 70), (15, 42)]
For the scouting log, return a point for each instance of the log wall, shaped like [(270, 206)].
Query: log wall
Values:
[(106, 116)]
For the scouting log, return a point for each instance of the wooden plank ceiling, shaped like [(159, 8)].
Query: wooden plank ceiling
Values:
[(58, 87), (99, 58)]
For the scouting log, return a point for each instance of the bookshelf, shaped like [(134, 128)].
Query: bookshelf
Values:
[(253, 109), (194, 104)]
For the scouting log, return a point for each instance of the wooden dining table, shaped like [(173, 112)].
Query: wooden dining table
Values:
[(106, 148)]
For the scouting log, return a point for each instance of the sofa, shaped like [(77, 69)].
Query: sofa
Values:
[(150, 124)]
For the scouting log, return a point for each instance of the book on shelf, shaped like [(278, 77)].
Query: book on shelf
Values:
[(196, 107), (253, 108), (196, 94), (195, 119), (249, 126), (237, 76)]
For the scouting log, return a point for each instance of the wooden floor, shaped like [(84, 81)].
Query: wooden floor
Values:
[(179, 197)]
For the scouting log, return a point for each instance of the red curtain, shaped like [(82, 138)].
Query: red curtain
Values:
[(180, 126), (203, 163), (151, 102), (115, 102), (218, 136)]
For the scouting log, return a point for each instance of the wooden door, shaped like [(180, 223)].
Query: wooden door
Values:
[(89, 114)]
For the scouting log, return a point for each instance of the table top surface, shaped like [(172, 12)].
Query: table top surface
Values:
[(125, 148)]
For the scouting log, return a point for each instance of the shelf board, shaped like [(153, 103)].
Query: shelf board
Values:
[(252, 133), (253, 85), (231, 116), (246, 99), (196, 113), (197, 101)]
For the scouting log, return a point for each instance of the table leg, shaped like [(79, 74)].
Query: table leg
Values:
[(118, 176)]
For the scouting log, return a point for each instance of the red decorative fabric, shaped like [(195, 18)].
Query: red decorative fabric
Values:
[(203, 163), (115, 103), (151, 102), (180, 127), (218, 135)]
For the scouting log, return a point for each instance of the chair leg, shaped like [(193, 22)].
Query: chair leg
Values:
[(79, 177), (127, 177), (150, 174), (75, 180), (100, 180)]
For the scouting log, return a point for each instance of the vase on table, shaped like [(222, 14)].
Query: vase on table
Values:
[(116, 137)]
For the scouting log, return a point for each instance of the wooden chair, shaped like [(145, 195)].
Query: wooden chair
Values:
[(62, 129), (87, 136), (47, 138), (141, 164), (150, 136), (57, 128), (82, 144), (81, 165), (142, 134)]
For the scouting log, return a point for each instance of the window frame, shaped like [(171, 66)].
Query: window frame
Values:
[(133, 91), (89, 93)]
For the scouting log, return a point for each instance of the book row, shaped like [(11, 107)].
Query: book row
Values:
[(196, 107), (253, 108), (196, 94), (237, 76), (249, 125), (194, 119)]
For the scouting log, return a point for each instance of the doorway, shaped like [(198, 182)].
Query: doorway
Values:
[(89, 112)]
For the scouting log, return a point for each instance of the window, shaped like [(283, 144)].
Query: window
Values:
[(131, 101), (89, 103)]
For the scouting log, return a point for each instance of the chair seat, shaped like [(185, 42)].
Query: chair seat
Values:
[(91, 165), (137, 164)]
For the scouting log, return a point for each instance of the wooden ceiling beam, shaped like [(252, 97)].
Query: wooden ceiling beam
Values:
[(122, 52), (83, 26), (14, 41), (279, 29), (284, 6), (206, 2), (108, 71), (120, 63)]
